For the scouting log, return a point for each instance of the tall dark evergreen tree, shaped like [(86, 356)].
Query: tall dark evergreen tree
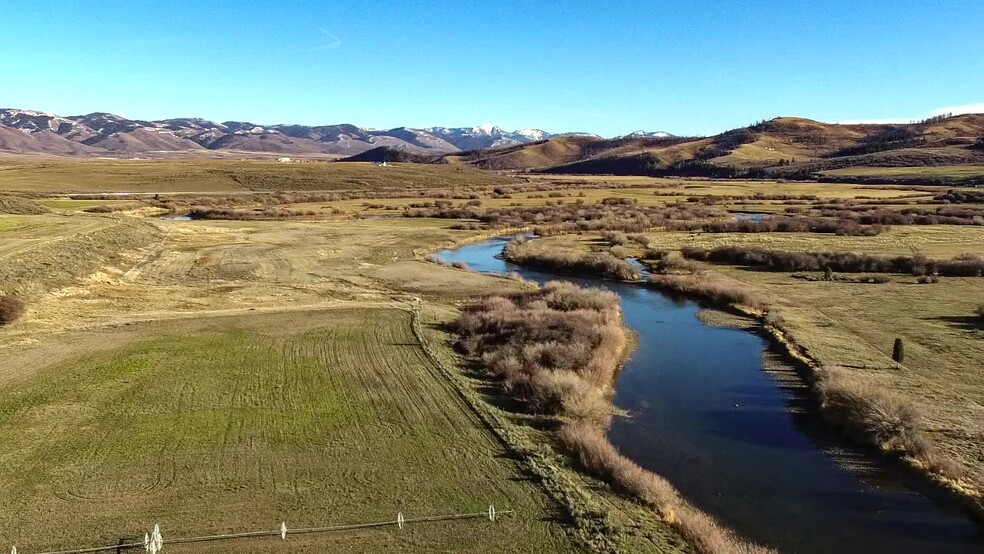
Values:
[(898, 351)]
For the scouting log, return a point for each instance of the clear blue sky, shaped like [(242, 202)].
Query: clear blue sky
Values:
[(565, 65)]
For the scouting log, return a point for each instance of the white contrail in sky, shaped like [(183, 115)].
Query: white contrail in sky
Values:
[(336, 42)]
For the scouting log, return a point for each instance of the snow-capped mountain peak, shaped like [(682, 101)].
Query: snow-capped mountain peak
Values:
[(107, 132), (31, 121), (533, 134), (642, 133), (486, 129)]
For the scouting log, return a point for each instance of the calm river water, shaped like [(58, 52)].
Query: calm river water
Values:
[(707, 417)]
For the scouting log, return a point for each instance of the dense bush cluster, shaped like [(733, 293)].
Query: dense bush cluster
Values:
[(11, 308), (851, 262), (256, 213), (868, 279), (557, 348), (615, 214), (711, 288), (881, 418), (953, 196), (781, 224), (604, 264), (943, 215)]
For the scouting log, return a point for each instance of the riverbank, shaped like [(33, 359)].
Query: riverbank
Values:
[(866, 414), (558, 349), (642, 403)]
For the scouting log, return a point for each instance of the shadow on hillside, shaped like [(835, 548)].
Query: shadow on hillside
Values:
[(964, 322)]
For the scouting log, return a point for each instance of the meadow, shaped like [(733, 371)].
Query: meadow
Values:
[(227, 424), (229, 373), (51, 175), (220, 376)]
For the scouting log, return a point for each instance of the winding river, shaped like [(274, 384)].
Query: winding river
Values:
[(739, 444)]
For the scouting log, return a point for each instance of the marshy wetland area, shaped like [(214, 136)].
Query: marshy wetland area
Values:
[(734, 365)]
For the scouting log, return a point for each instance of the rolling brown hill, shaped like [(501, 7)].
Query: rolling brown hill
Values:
[(538, 154), (781, 147)]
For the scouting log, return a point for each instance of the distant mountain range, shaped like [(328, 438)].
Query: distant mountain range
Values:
[(105, 134)]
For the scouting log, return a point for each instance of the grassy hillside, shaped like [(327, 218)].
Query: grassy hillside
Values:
[(390, 155), (40, 252), (16, 205), (538, 154), (782, 147)]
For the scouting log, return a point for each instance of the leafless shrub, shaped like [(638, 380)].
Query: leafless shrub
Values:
[(555, 218), (712, 288), (675, 263), (877, 279), (435, 259), (605, 264), (615, 238), (641, 239), (774, 318), (557, 349), (782, 224), (966, 265), (654, 253), (11, 308), (867, 411), (879, 418), (598, 456), (559, 329)]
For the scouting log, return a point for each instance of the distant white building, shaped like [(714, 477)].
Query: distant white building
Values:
[(284, 160), (381, 164)]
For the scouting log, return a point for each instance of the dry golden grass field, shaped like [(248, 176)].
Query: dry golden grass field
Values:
[(223, 376), (156, 176)]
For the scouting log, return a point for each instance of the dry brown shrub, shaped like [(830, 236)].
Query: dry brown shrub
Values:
[(605, 264), (598, 456), (725, 292), (558, 349), (11, 309), (566, 393), (883, 419)]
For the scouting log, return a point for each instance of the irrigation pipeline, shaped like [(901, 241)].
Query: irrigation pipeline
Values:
[(492, 514)]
